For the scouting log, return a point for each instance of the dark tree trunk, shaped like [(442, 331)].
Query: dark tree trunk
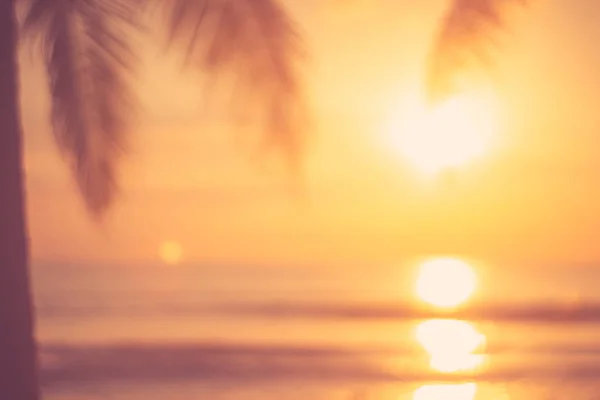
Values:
[(18, 366)]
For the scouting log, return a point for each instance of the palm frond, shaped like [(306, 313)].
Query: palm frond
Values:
[(469, 31), (258, 45), (88, 60)]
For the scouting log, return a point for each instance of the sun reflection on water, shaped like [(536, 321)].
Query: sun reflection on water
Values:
[(463, 391), (451, 344), (452, 347)]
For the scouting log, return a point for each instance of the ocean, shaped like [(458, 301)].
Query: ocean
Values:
[(192, 332)]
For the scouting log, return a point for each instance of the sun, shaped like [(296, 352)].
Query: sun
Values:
[(447, 136), (445, 282)]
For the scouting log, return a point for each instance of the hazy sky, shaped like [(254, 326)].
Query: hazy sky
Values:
[(533, 200)]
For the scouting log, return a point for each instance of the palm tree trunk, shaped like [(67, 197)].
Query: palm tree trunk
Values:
[(18, 369)]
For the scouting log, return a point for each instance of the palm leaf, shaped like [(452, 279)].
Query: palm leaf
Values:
[(256, 43), (88, 59), (469, 31)]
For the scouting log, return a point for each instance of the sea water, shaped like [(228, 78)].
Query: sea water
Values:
[(208, 332)]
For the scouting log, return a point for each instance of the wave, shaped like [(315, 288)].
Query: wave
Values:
[(151, 362), (535, 313)]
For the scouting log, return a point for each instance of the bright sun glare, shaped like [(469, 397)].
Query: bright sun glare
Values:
[(445, 282), (447, 136)]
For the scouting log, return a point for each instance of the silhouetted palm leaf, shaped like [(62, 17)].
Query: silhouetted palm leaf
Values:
[(258, 45), (469, 29), (88, 58)]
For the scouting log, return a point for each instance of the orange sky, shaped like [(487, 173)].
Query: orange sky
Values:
[(533, 200)]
